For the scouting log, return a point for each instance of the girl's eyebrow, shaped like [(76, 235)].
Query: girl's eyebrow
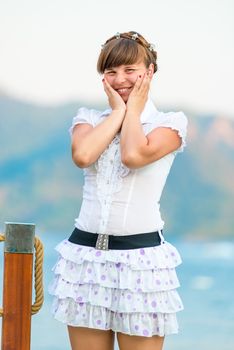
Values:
[(109, 69)]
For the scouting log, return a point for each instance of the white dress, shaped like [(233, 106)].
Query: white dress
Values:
[(129, 291)]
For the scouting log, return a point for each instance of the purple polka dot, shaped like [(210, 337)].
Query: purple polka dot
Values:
[(155, 316), (136, 327), (98, 253), (99, 321), (122, 269), (106, 298), (65, 242), (157, 329), (158, 282), (89, 270), (81, 304), (79, 299), (103, 277), (145, 332), (91, 281), (171, 281), (96, 292), (172, 254), (118, 265), (142, 251), (153, 303), (83, 315), (145, 301), (138, 281), (148, 262), (129, 296)]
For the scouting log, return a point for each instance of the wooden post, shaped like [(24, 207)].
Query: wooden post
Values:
[(17, 286)]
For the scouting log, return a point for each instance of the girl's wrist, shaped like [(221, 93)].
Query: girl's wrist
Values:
[(133, 112), (119, 112)]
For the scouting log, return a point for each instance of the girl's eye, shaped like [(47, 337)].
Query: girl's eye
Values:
[(110, 73), (129, 70)]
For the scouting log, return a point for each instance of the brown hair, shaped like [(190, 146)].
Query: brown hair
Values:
[(126, 48)]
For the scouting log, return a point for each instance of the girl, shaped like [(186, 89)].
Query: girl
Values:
[(116, 273)]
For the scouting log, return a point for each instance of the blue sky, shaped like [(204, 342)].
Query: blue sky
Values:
[(49, 49)]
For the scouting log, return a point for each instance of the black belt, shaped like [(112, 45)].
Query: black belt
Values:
[(105, 241)]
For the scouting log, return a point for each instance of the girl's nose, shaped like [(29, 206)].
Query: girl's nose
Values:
[(120, 78)]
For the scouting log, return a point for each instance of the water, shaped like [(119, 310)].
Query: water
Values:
[(207, 291)]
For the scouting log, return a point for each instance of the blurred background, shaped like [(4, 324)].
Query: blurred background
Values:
[(48, 60)]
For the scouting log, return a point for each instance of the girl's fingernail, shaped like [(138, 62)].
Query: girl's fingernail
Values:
[(139, 76)]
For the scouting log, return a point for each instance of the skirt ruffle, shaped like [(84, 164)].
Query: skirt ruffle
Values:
[(131, 291)]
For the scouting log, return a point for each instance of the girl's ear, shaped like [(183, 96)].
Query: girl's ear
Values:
[(151, 70)]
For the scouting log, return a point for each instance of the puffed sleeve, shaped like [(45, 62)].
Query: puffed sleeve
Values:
[(177, 121), (83, 116)]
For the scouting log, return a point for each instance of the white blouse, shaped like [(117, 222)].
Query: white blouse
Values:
[(122, 201)]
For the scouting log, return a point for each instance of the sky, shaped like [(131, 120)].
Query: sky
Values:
[(49, 49)]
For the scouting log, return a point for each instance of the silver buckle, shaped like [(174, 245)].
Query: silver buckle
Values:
[(102, 241)]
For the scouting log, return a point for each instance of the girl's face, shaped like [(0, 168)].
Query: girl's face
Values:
[(122, 78)]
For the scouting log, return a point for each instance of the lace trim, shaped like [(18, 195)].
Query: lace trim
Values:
[(110, 173)]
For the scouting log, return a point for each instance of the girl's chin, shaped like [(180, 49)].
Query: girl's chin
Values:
[(124, 97)]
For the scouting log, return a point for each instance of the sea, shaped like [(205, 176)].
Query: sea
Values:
[(207, 291)]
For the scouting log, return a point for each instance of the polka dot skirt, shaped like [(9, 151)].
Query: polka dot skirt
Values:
[(129, 291)]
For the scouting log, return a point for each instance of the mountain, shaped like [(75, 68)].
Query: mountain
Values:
[(40, 184)]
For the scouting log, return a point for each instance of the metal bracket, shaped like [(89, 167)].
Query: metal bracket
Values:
[(19, 237)]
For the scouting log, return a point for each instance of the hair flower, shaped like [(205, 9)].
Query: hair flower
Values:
[(134, 36), (151, 47)]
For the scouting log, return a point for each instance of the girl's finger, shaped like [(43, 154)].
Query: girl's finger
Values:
[(108, 89), (145, 83), (138, 82)]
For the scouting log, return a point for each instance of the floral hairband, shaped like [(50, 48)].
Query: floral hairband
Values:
[(134, 36)]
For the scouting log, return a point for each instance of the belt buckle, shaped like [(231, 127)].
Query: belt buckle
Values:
[(102, 241)]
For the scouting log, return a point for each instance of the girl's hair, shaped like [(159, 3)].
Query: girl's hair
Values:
[(124, 49)]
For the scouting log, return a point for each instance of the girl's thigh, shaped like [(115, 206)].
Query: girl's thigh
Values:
[(82, 338), (132, 342)]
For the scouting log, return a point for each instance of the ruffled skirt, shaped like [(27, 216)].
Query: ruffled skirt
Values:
[(128, 291)]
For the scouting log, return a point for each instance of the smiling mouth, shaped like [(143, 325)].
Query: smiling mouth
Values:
[(123, 90)]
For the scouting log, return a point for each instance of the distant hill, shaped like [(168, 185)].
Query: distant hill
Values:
[(39, 183)]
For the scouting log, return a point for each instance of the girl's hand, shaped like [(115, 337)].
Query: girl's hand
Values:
[(115, 100), (139, 94)]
